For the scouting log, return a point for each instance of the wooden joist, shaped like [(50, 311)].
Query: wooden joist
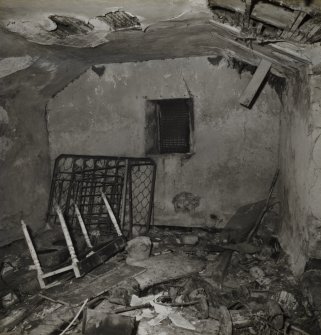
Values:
[(255, 84)]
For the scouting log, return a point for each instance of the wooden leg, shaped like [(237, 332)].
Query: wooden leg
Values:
[(83, 227), (111, 214), (68, 239), (33, 254)]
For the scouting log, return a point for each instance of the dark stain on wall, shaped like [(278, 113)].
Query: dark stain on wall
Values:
[(99, 70), (215, 60), (186, 202)]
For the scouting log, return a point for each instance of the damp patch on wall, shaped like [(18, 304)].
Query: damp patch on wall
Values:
[(186, 202)]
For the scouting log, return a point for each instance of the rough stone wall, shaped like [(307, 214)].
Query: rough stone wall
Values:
[(300, 151), (235, 150)]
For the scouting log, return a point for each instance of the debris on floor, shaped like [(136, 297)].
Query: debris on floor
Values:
[(178, 281)]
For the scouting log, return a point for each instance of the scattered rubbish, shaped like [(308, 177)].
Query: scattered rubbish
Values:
[(75, 318), (9, 300), (233, 280), (259, 275)]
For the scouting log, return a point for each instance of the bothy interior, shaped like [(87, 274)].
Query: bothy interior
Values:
[(165, 82)]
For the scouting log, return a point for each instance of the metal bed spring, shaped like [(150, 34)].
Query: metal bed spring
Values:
[(127, 182)]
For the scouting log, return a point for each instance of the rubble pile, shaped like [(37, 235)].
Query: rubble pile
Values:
[(180, 281)]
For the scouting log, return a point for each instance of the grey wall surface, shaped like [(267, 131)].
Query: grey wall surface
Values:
[(300, 153), (235, 149)]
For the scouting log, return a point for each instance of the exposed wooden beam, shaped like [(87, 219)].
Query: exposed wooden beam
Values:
[(255, 83)]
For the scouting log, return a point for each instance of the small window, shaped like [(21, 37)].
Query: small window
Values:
[(169, 126)]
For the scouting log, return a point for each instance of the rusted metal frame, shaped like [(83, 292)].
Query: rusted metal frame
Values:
[(151, 202), (124, 196), (130, 201), (92, 191), (68, 199)]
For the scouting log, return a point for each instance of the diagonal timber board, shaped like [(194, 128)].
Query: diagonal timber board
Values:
[(255, 84)]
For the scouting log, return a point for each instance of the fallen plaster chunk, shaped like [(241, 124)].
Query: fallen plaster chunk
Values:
[(14, 64), (180, 322)]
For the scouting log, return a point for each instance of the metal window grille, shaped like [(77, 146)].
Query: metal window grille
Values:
[(174, 126), (127, 182)]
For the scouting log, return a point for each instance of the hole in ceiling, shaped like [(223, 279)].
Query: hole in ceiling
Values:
[(121, 20), (70, 26)]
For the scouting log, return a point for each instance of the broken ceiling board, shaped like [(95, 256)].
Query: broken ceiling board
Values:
[(294, 25), (168, 267), (255, 83), (274, 15), (121, 20)]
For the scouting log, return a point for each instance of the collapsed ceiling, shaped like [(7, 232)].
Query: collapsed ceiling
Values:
[(270, 21)]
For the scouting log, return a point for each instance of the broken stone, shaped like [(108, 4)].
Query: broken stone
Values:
[(276, 316), (259, 276), (241, 318), (189, 239), (119, 296), (9, 300), (311, 286), (138, 249), (202, 306)]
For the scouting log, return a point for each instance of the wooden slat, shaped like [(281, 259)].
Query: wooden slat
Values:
[(255, 83)]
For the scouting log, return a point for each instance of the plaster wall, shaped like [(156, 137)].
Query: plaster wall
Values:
[(24, 160), (235, 150), (300, 160)]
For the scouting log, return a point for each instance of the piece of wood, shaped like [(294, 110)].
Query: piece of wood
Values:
[(33, 254), (91, 287), (132, 308), (255, 83), (75, 318), (111, 214), (265, 209), (82, 226), (101, 255)]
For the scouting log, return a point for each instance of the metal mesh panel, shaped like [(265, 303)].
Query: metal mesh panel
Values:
[(81, 179)]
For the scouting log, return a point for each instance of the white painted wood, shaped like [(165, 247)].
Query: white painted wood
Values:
[(111, 214), (83, 227)]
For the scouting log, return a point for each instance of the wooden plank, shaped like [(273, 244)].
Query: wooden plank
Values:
[(255, 83), (102, 255)]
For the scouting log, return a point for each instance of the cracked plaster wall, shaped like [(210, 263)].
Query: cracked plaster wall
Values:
[(301, 170), (235, 149)]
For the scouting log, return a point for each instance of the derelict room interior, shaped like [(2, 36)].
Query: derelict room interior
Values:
[(160, 167)]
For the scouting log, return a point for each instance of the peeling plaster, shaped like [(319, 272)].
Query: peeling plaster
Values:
[(33, 22), (14, 64)]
